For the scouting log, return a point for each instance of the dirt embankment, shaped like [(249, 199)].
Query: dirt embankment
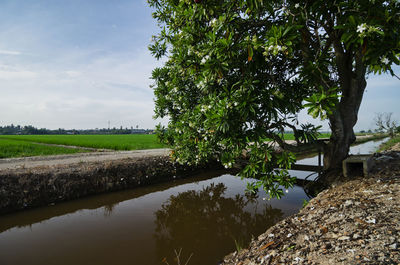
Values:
[(55, 160), (357, 222), (39, 181)]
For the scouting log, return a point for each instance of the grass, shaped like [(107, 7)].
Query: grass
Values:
[(27, 145), (14, 148), (373, 137), (388, 144), (290, 136), (114, 142)]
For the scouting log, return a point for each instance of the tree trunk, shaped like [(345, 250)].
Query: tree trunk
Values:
[(353, 84)]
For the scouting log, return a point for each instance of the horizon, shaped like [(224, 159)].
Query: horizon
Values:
[(77, 64)]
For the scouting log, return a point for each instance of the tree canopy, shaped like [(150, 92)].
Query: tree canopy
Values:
[(237, 73)]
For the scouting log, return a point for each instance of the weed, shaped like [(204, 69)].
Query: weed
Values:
[(178, 258)]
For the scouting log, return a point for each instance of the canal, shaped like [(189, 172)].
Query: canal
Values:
[(205, 217)]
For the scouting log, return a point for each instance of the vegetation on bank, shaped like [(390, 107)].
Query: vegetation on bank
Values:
[(113, 142), (14, 148), (390, 143), (371, 137)]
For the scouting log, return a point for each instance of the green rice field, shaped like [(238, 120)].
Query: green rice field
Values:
[(113, 142), (15, 148), (33, 145)]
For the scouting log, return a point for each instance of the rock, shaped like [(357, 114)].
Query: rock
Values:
[(348, 203), (384, 158), (356, 222)]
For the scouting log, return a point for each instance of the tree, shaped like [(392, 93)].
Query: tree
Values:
[(238, 72), (384, 122)]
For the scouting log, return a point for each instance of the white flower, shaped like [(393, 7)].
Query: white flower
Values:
[(297, 5), (213, 21), (287, 191), (361, 28), (385, 60)]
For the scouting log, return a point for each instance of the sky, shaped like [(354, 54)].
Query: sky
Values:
[(79, 64)]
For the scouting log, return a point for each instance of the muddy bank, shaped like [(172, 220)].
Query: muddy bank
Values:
[(27, 187), (357, 222)]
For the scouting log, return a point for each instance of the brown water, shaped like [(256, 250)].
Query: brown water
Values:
[(207, 216), (204, 216)]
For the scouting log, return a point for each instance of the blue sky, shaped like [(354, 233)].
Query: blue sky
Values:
[(81, 63)]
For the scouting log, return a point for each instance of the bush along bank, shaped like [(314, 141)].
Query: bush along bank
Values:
[(32, 187)]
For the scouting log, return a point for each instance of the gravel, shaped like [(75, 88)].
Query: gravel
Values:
[(357, 222)]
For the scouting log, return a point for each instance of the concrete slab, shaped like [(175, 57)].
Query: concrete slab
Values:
[(357, 165)]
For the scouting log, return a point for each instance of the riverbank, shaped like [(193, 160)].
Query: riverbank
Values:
[(40, 181), (357, 222)]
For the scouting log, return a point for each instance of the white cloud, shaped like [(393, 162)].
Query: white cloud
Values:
[(112, 87), (6, 52), (72, 73), (17, 75)]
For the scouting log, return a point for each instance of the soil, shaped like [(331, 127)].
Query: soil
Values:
[(65, 160), (357, 222)]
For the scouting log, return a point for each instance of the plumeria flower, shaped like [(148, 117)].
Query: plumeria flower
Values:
[(385, 60), (361, 28)]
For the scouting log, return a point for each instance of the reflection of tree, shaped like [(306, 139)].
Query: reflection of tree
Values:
[(207, 224), (108, 209)]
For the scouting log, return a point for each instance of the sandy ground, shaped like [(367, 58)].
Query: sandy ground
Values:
[(30, 162)]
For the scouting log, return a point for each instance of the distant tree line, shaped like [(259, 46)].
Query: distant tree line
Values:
[(29, 129)]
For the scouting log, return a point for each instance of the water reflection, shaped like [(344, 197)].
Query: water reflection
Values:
[(205, 221)]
